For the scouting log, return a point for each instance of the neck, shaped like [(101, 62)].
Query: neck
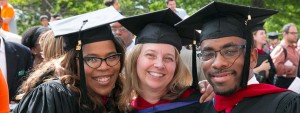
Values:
[(285, 41), (37, 61), (152, 96), (259, 46)]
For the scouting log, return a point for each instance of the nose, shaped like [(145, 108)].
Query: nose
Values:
[(118, 32), (103, 66), (159, 63), (219, 62)]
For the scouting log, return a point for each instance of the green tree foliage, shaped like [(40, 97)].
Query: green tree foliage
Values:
[(30, 10)]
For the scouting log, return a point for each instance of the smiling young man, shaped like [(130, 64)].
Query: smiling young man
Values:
[(228, 59)]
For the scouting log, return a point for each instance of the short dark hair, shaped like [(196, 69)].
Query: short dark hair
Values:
[(167, 1), (109, 2)]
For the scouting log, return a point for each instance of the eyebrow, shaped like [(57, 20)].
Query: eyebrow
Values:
[(224, 46), (95, 55), (167, 54)]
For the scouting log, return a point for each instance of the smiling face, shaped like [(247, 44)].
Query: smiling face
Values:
[(102, 79), (225, 74), (156, 66)]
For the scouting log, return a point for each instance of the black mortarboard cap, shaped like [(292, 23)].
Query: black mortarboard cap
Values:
[(158, 27), (273, 35), (95, 27), (83, 29), (217, 20), (258, 26)]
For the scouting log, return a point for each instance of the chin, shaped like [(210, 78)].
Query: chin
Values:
[(226, 92)]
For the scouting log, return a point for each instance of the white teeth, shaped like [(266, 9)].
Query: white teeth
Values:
[(102, 79), (155, 74)]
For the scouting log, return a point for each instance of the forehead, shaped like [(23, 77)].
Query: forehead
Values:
[(116, 24), (171, 2), (158, 47), (220, 42), (293, 28)]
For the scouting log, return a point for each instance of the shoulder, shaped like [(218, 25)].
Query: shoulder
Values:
[(288, 102), (17, 46), (180, 9), (272, 103), (52, 87), (48, 97), (277, 51)]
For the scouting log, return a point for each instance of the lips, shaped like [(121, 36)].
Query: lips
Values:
[(221, 77)]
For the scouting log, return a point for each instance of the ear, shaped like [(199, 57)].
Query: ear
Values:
[(34, 50), (253, 58)]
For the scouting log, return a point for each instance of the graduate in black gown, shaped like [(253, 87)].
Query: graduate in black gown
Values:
[(228, 59), (84, 80), (264, 70), (157, 80)]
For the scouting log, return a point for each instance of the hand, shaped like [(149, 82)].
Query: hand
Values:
[(206, 90), (292, 70), (265, 65)]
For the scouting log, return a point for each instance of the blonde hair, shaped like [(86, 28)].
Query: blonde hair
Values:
[(181, 81), (50, 46)]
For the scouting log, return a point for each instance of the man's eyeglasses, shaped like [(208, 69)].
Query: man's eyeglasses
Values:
[(293, 33), (122, 29), (95, 62), (230, 52)]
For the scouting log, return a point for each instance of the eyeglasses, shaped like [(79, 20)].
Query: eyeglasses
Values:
[(122, 29), (95, 62), (231, 52), (293, 33)]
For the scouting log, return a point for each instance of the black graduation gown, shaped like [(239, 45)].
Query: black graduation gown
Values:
[(261, 76), (49, 97), (285, 102)]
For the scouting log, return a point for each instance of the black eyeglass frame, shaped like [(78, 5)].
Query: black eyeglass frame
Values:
[(85, 59), (222, 51)]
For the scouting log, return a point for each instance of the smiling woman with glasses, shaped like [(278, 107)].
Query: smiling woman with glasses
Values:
[(79, 81)]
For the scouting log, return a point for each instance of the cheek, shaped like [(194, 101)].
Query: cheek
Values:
[(205, 67), (87, 70), (171, 68), (141, 65)]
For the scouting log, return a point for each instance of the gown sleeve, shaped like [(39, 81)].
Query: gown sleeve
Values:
[(49, 97), (289, 104)]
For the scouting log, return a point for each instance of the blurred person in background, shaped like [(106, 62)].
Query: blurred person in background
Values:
[(8, 15), (179, 11), (273, 40), (16, 60), (121, 32), (114, 3), (51, 47), (30, 38), (264, 69), (55, 17), (286, 57), (44, 20)]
